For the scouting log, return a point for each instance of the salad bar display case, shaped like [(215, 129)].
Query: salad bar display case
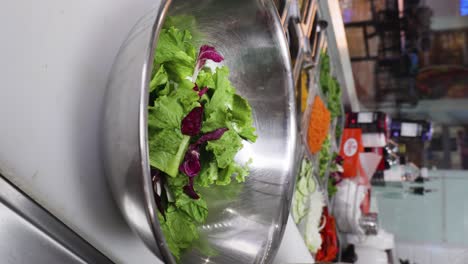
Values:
[(322, 92)]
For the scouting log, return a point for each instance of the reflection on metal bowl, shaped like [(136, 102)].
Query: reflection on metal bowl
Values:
[(244, 229)]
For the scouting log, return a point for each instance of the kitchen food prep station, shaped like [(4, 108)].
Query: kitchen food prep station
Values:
[(183, 131)]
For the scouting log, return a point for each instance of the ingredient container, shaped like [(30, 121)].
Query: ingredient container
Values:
[(248, 33)]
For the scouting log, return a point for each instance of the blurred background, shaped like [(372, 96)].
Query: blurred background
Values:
[(410, 60)]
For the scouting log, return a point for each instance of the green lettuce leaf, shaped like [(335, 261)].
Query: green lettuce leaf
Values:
[(205, 79), (175, 45), (225, 174), (197, 210), (166, 89), (186, 97), (167, 149), (221, 80), (166, 142), (233, 169), (208, 174), (215, 120), (242, 172), (179, 230), (242, 118), (176, 52), (166, 113), (223, 92), (225, 148), (227, 109), (330, 87), (217, 112), (177, 183), (160, 78), (167, 145)]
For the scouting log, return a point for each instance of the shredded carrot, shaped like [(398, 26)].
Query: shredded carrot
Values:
[(319, 123)]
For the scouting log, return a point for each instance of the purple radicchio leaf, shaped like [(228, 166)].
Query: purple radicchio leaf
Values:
[(336, 177), (158, 190), (190, 191), (213, 135), (339, 160), (191, 165), (191, 124), (200, 92), (206, 53), (203, 91)]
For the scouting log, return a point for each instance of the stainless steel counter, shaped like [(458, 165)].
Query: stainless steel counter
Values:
[(29, 234)]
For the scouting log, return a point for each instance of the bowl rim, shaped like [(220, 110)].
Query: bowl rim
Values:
[(150, 203), (150, 206)]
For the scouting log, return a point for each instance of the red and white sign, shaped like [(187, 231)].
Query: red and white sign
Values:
[(350, 148)]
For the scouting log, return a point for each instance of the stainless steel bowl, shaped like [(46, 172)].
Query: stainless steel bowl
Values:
[(248, 228)]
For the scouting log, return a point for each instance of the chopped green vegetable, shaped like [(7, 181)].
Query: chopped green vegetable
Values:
[(242, 118), (307, 206), (331, 189), (208, 174), (167, 149), (205, 78), (217, 109), (331, 90), (195, 209), (225, 148), (325, 158), (160, 78), (225, 174), (302, 186), (176, 51), (179, 230), (330, 87), (305, 185)]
